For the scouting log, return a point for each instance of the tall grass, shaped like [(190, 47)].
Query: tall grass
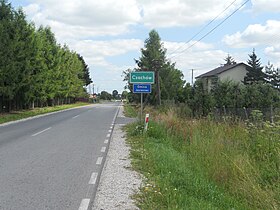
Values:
[(201, 164)]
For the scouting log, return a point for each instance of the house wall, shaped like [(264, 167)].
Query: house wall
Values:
[(207, 83), (236, 74)]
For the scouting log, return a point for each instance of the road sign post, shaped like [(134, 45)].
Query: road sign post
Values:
[(142, 81), (142, 88), (142, 77)]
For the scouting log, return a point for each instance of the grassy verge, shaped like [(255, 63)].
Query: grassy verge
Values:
[(17, 115), (203, 164), (130, 111)]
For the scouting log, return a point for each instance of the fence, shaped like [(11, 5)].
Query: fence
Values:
[(267, 114)]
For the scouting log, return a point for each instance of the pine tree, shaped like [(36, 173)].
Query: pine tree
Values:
[(229, 60), (7, 84), (85, 76), (169, 80), (272, 76), (254, 70)]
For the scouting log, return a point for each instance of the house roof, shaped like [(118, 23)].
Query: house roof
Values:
[(219, 70)]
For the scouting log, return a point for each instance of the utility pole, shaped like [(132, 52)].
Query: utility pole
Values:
[(156, 66), (192, 77), (158, 88), (89, 89)]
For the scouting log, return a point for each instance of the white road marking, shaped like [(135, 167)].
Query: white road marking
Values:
[(36, 134), (93, 178), (106, 141), (103, 149), (76, 116), (84, 204), (108, 135), (99, 161), (111, 127), (109, 131)]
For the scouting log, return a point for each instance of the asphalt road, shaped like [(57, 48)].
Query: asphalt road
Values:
[(54, 162)]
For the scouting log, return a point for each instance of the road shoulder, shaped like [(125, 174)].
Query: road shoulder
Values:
[(118, 180)]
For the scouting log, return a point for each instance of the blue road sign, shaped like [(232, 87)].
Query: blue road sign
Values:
[(142, 88)]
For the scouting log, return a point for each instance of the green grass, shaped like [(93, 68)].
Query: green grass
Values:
[(206, 165), (17, 115), (130, 111)]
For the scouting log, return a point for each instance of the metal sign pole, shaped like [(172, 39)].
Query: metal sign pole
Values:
[(141, 107)]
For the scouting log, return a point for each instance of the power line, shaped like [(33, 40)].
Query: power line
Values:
[(204, 27), (211, 30)]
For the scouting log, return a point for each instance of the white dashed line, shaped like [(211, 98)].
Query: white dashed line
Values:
[(84, 204), (76, 116), (93, 178), (103, 149), (99, 161), (109, 131), (111, 127), (108, 135), (106, 141), (36, 134)]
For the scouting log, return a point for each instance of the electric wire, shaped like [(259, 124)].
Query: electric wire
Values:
[(202, 29), (179, 53)]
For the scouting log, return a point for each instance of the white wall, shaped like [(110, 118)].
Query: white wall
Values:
[(236, 74)]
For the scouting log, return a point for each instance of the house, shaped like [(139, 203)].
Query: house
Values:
[(235, 72)]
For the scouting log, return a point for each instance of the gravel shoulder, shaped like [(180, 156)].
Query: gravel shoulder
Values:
[(118, 181)]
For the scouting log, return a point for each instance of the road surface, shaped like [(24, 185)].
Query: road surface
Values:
[(54, 162)]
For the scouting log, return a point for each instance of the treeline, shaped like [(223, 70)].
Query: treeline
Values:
[(229, 95), (260, 88), (34, 69)]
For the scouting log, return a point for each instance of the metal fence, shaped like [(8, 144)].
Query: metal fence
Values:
[(266, 114)]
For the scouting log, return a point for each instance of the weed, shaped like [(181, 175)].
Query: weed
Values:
[(201, 164)]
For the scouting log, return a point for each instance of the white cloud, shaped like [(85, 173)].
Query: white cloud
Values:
[(168, 13), (255, 35), (274, 54), (84, 18), (106, 48), (106, 74), (202, 57), (89, 18), (91, 13), (175, 48), (266, 5), (78, 23)]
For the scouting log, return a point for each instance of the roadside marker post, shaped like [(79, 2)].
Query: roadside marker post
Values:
[(146, 122)]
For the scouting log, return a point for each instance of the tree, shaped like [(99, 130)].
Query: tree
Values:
[(34, 69), (168, 80), (260, 95), (115, 94), (254, 70), (124, 94), (227, 94), (229, 60), (105, 95), (153, 58), (272, 76), (7, 69), (85, 75), (201, 101)]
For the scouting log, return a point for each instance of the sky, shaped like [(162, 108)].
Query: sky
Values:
[(109, 34)]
